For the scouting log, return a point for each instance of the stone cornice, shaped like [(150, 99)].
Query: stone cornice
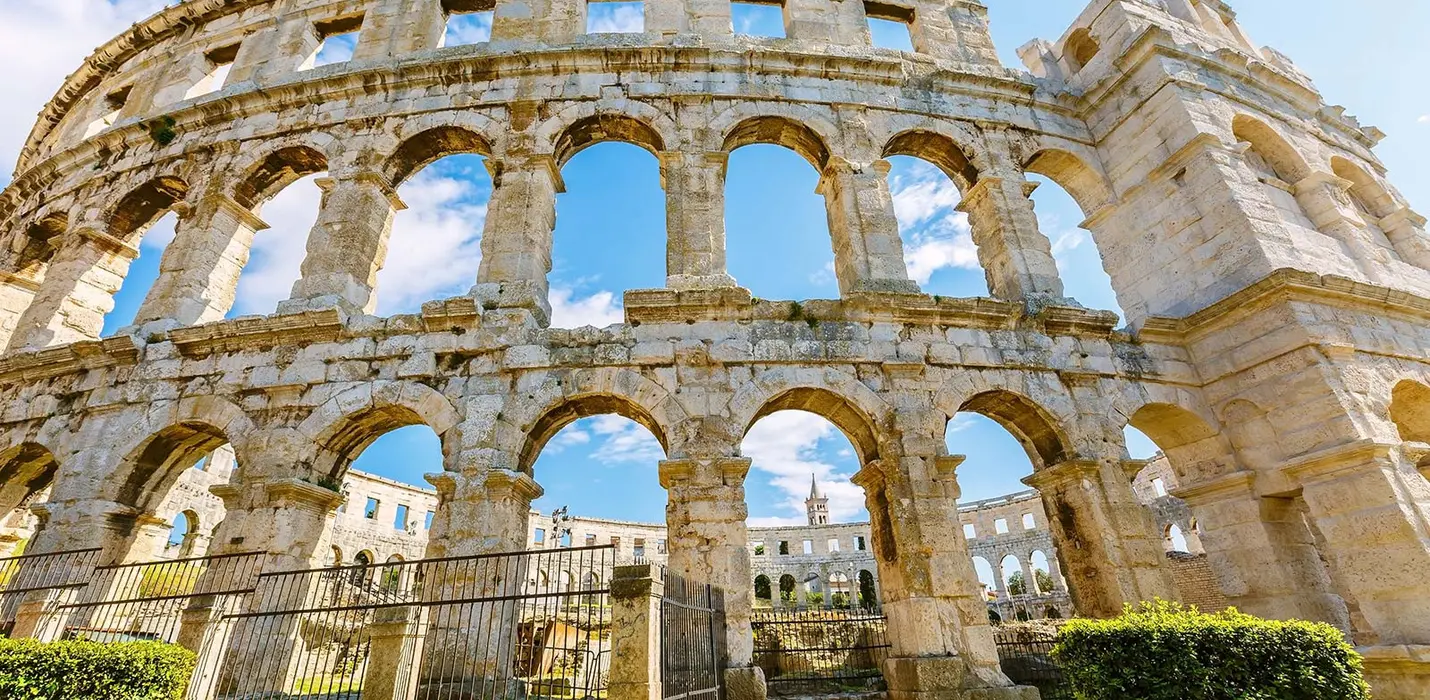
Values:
[(1334, 460), (37, 365), (1281, 285), (251, 331)]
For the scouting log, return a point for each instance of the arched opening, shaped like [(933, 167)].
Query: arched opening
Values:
[(610, 231), (1276, 165), (868, 591), (337, 556), (1370, 197), (144, 220), (774, 210), (928, 175), (1176, 541), (789, 597), (764, 592), (37, 246), (434, 250), (182, 535), (26, 473), (1043, 582), (285, 191), (1052, 613), (1068, 191), (1080, 49), (1410, 411), (1015, 583), (986, 577)]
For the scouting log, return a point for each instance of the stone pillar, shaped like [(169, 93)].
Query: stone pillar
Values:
[(347, 245), (954, 31), (709, 18), (198, 276), (708, 538), (1372, 507), (1016, 257), (516, 243), (1406, 230), (471, 648), (1262, 553), (636, 593), (868, 253), (538, 21), (1107, 539), (938, 619), (398, 28), (695, 219), (397, 638), (77, 292)]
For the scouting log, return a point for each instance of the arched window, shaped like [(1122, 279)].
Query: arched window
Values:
[(1042, 583), (1176, 541), (1080, 49), (1276, 165), (763, 590), (788, 595), (868, 591)]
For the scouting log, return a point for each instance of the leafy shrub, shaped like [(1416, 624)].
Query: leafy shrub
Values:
[(1163, 651), (76, 670)]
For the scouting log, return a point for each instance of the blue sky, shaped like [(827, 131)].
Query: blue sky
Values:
[(778, 241)]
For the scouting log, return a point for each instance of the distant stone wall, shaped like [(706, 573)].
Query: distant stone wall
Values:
[(1196, 582)]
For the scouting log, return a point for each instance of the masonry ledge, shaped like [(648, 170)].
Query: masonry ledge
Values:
[(37, 365)]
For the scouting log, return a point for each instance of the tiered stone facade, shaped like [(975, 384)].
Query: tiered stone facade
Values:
[(1275, 285)]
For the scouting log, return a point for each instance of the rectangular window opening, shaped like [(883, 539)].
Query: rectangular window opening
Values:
[(370, 512), (1029, 522), (860, 544), (616, 542), (890, 26), (431, 515), (809, 546), (590, 540), (113, 104), (468, 26), (970, 532), (615, 17), (565, 540), (220, 62), (833, 546), (660, 546), (540, 537), (638, 548), (1000, 526), (766, 19), (784, 548), (759, 548), (337, 42), (1159, 487), (400, 522)]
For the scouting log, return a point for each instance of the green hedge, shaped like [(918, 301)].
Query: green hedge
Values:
[(30, 670), (1163, 651)]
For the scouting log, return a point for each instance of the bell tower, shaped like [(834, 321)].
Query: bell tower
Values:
[(817, 506)]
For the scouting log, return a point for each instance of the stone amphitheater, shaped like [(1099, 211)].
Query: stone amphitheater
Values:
[(1274, 282)]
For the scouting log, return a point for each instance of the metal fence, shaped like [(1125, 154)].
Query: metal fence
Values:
[(1027, 659), (51, 578), (150, 601), (463, 628), (806, 652), (692, 624)]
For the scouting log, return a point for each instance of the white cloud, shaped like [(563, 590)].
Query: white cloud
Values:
[(615, 18), (45, 40), (937, 236), (599, 309), (624, 441), (1424, 119), (435, 248), (784, 450), (277, 255)]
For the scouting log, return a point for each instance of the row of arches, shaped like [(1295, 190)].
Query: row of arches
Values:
[(837, 590)]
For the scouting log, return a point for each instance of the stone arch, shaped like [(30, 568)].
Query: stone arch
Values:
[(1279, 154), (781, 130), (764, 590), (1196, 449), (789, 589), (35, 244), (26, 470), (1080, 48), (424, 148), (1410, 410), (275, 170), (938, 149), (833, 395), (143, 206), (1083, 182), (1038, 430), (150, 470), (536, 416), (352, 420), (583, 125), (1366, 191)]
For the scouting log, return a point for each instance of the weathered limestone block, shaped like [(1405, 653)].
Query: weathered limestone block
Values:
[(868, 253), (1016, 257), (695, 214), (347, 245)]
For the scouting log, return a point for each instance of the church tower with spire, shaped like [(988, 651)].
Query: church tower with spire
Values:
[(817, 506)]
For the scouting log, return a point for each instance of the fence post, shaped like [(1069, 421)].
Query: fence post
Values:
[(636, 594)]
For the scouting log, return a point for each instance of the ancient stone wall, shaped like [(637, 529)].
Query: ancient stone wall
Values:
[(1275, 287)]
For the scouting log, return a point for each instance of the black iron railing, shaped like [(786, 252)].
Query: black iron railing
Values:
[(1027, 659), (57, 576), (821, 651), (692, 623), (461, 628)]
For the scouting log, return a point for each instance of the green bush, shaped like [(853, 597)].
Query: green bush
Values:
[(30, 670), (1163, 651)]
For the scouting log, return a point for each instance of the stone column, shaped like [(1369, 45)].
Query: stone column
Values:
[(471, 648), (1372, 507), (695, 219), (516, 243), (347, 245), (78, 290), (636, 633), (1262, 553), (1107, 539), (708, 539), (1016, 257), (538, 21), (868, 253), (397, 28), (938, 620), (1406, 230), (397, 638), (198, 276)]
